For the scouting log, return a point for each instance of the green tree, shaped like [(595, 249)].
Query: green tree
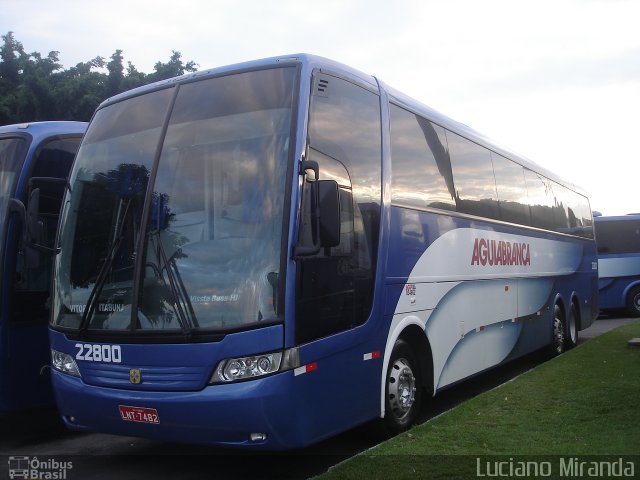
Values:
[(33, 87), (79, 90), (133, 78), (115, 80), (173, 68), (12, 55), (35, 93)]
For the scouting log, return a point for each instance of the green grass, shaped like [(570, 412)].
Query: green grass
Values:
[(585, 402)]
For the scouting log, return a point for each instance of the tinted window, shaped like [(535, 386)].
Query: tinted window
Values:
[(335, 289), (541, 200), (560, 207), (579, 214), (141, 114), (512, 191), (473, 174), (619, 236), (227, 146), (420, 162), (54, 160), (11, 153), (103, 214)]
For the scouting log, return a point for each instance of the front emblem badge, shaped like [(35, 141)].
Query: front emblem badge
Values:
[(134, 375)]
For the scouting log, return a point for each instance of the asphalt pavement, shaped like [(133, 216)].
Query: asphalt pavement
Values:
[(604, 324)]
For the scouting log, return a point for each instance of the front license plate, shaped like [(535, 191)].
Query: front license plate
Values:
[(139, 414)]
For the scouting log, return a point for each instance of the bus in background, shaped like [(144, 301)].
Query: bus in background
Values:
[(618, 239), (35, 160), (271, 253)]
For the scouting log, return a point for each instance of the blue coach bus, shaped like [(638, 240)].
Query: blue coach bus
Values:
[(270, 253), (618, 239), (35, 160)]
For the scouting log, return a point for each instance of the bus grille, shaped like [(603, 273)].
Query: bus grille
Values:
[(140, 377)]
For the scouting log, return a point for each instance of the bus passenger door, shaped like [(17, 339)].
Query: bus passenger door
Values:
[(335, 287)]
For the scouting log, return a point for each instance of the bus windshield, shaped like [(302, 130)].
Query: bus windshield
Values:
[(201, 247)]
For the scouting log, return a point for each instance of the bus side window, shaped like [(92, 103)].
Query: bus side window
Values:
[(475, 185), (421, 167), (511, 184), (541, 200)]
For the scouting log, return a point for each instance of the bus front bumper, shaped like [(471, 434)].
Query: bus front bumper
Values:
[(254, 414)]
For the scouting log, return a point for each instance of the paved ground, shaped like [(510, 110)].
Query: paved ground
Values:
[(604, 324)]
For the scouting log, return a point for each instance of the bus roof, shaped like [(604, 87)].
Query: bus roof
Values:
[(310, 62), (39, 130), (614, 218)]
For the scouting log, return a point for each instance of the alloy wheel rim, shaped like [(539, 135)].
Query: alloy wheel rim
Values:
[(402, 388)]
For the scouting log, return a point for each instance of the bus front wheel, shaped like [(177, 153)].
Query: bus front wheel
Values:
[(403, 390), (633, 302)]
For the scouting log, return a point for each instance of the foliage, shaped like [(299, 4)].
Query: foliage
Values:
[(33, 87)]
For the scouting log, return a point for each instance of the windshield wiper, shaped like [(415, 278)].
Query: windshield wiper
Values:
[(106, 266), (181, 302)]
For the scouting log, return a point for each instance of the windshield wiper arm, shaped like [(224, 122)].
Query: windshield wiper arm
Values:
[(106, 266), (186, 316)]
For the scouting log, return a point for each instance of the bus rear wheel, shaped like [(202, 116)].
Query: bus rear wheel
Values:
[(558, 331), (633, 302), (403, 392), (571, 339)]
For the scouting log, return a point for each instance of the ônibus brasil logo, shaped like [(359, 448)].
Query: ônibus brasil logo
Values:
[(33, 468)]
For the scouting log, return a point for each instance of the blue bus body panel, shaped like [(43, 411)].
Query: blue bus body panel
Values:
[(24, 347), (478, 316), (168, 367), (619, 273), (215, 415), (295, 408)]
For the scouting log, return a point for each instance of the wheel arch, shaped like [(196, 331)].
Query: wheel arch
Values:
[(628, 288), (575, 300), (560, 301), (410, 329)]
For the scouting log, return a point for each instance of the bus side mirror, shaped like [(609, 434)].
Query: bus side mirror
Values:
[(31, 257), (321, 211), (329, 202), (33, 229), (34, 226)]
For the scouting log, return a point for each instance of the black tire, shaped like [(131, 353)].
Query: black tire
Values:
[(558, 330), (633, 302), (403, 389), (571, 338)]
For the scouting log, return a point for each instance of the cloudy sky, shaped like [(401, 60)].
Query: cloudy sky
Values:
[(555, 80)]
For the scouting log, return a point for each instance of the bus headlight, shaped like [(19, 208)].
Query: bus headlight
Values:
[(244, 368), (64, 363)]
